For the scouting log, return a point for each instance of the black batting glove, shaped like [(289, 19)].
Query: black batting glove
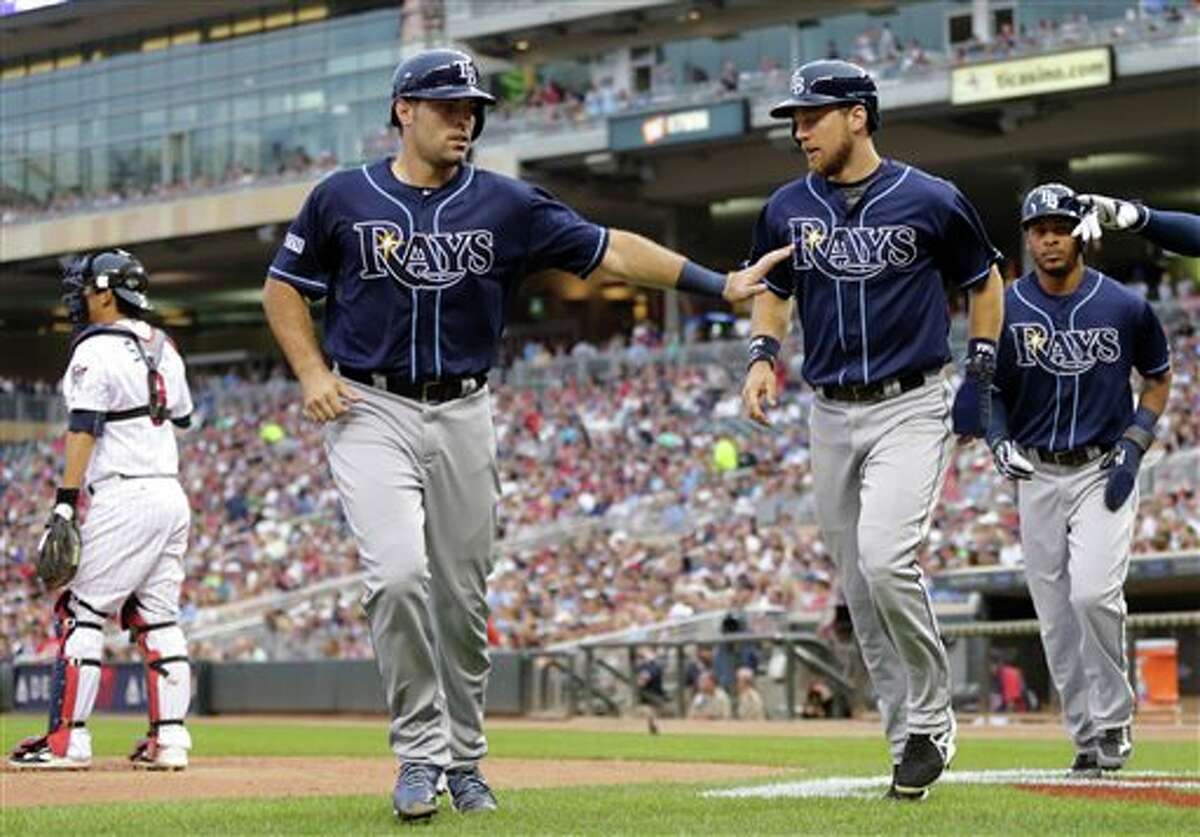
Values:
[(981, 368)]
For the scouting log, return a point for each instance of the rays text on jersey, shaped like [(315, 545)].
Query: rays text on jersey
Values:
[(423, 260), (1069, 352), (853, 254)]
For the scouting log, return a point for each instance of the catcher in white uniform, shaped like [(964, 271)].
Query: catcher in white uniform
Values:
[(126, 390)]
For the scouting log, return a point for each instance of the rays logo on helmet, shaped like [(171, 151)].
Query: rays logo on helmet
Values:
[(798, 84), (1048, 199), (467, 70)]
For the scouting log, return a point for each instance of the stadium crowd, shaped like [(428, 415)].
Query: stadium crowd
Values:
[(621, 505)]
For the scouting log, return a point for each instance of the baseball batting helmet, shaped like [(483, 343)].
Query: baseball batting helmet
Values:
[(820, 83), (1049, 200), (114, 270), (439, 74)]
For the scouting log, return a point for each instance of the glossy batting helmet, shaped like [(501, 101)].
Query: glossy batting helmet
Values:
[(1051, 200), (114, 270), (820, 83), (439, 74)]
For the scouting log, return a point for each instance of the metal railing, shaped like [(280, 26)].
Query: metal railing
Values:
[(601, 677)]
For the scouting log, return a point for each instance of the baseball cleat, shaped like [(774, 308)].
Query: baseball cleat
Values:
[(926, 757), (36, 754), (150, 755), (894, 794), (1085, 766), (415, 796), (1116, 746), (470, 792)]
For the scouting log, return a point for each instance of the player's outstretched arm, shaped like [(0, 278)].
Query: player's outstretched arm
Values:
[(1175, 231), (637, 260), (325, 395), (769, 322)]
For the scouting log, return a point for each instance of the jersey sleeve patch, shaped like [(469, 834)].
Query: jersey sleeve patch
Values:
[(299, 260), (294, 243)]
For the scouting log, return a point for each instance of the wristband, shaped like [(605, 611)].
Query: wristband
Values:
[(1141, 430), (763, 347), (696, 279), (70, 496)]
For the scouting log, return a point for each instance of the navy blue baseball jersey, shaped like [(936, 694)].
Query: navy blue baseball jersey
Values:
[(1064, 361), (416, 280), (869, 280)]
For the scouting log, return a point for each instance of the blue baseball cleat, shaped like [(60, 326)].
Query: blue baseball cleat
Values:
[(469, 791), (415, 796)]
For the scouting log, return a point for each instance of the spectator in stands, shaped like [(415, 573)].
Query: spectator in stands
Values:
[(711, 702), (1009, 691), (729, 77), (914, 56), (649, 678), (749, 701), (818, 701), (888, 48)]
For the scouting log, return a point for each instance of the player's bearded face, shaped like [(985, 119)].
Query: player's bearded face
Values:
[(1055, 251), (825, 138), (441, 130)]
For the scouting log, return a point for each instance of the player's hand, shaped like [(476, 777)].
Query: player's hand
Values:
[(326, 396), (759, 391), (748, 282), (1107, 213), (1010, 462)]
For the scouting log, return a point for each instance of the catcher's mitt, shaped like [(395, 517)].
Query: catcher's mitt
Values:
[(59, 548)]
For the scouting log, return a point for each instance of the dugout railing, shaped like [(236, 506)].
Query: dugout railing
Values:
[(600, 678)]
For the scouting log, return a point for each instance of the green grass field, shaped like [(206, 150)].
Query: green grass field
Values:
[(625, 809)]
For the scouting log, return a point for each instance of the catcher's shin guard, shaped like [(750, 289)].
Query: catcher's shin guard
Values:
[(75, 678), (168, 675)]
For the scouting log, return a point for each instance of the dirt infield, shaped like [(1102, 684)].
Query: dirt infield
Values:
[(111, 780), (1157, 795)]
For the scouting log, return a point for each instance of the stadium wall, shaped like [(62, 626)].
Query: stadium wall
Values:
[(310, 686)]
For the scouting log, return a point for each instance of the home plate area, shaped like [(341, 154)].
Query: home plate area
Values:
[(1145, 786)]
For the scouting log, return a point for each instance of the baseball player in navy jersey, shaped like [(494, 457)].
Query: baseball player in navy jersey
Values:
[(875, 242), (1178, 232), (416, 256), (1063, 425), (126, 390)]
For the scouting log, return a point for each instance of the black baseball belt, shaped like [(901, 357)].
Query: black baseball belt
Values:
[(1074, 457), (876, 390), (429, 392)]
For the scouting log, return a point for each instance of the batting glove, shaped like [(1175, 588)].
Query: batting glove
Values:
[(1123, 462), (1010, 462), (1107, 213), (981, 368)]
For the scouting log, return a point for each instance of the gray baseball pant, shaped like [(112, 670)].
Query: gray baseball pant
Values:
[(878, 471), (1076, 558), (419, 485)]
